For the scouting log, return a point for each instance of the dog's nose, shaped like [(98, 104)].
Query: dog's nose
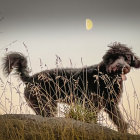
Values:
[(125, 69)]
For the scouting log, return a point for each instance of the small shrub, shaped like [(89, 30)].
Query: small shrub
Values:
[(78, 112)]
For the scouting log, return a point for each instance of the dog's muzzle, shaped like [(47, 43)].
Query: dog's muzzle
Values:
[(121, 70), (125, 70)]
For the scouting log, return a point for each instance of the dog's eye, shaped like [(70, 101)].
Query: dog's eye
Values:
[(128, 58)]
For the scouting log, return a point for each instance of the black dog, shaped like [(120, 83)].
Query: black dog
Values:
[(99, 85)]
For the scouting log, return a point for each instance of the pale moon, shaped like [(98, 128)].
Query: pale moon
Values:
[(89, 24)]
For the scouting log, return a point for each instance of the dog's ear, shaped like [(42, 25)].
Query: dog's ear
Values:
[(135, 62)]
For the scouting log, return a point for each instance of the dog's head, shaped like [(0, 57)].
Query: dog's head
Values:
[(119, 59)]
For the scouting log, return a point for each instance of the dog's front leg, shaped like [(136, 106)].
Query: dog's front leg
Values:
[(116, 116)]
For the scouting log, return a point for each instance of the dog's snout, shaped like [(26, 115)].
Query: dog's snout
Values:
[(120, 65), (126, 69)]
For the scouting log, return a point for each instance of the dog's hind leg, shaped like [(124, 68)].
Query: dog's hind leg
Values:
[(116, 116), (39, 101), (45, 109)]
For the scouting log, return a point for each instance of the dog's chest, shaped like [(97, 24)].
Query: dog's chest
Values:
[(107, 87)]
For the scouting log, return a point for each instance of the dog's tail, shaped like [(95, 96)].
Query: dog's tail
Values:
[(17, 61)]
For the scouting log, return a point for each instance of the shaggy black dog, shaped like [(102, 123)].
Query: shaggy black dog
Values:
[(99, 85)]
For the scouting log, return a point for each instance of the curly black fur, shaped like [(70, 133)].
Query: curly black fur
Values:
[(99, 85), (16, 61)]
